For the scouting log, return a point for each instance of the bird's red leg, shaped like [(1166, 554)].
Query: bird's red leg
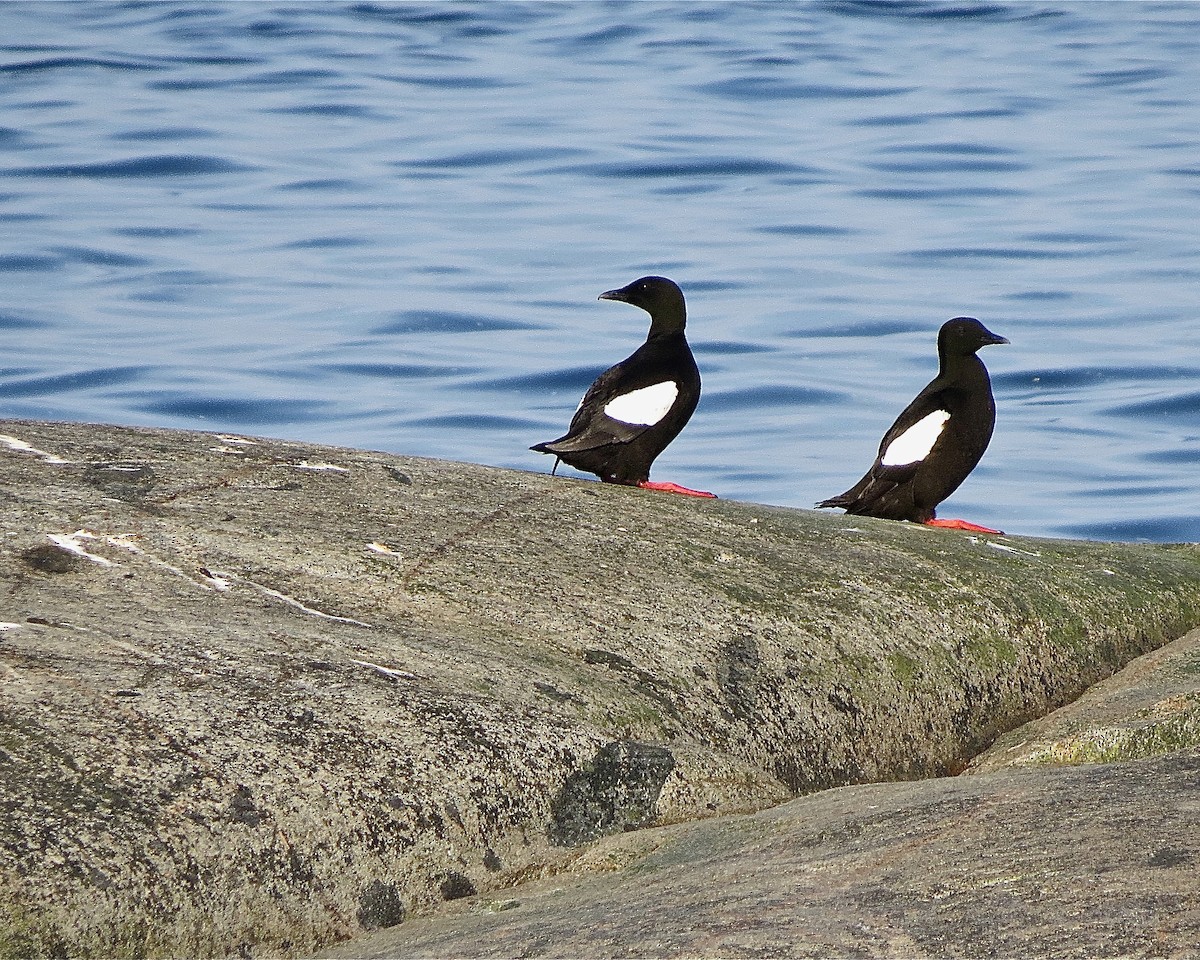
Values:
[(668, 487), (960, 525)]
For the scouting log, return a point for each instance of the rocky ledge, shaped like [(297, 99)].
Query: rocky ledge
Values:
[(259, 697)]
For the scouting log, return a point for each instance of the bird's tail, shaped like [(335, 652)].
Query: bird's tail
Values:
[(545, 448)]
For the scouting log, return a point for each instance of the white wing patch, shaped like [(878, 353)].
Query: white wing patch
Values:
[(915, 443), (644, 407)]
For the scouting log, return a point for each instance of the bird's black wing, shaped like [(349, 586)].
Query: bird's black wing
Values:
[(926, 402), (881, 479), (591, 427), (656, 361)]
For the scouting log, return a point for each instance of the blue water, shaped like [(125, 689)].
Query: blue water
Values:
[(386, 225)]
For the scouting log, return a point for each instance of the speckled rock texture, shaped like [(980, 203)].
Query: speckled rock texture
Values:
[(1080, 862), (257, 696), (1031, 860)]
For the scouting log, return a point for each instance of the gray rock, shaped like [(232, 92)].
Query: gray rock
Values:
[(1082, 862), (260, 696), (1097, 862)]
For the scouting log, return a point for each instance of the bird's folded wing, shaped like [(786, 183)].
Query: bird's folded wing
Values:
[(599, 432)]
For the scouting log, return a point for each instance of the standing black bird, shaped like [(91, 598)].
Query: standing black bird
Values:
[(634, 409), (936, 441)]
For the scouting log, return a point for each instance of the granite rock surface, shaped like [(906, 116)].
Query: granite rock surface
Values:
[(1061, 862), (257, 696)]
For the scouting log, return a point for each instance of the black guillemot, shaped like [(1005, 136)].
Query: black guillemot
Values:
[(938, 439), (634, 409)]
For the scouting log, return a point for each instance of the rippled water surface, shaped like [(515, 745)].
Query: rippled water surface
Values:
[(386, 225)]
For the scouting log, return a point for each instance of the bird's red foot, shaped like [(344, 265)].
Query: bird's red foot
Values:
[(668, 487), (960, 525)]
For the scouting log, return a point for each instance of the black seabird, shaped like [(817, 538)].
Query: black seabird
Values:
[(938, 439), (635, 408)]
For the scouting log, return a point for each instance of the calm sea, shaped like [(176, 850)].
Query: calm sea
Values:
[(386, 225)]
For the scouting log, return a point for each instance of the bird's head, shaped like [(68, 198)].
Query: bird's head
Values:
[(962, 336), (659, 297)]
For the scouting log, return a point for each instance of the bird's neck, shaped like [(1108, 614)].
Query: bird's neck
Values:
[(666, 326), (955, 369)]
